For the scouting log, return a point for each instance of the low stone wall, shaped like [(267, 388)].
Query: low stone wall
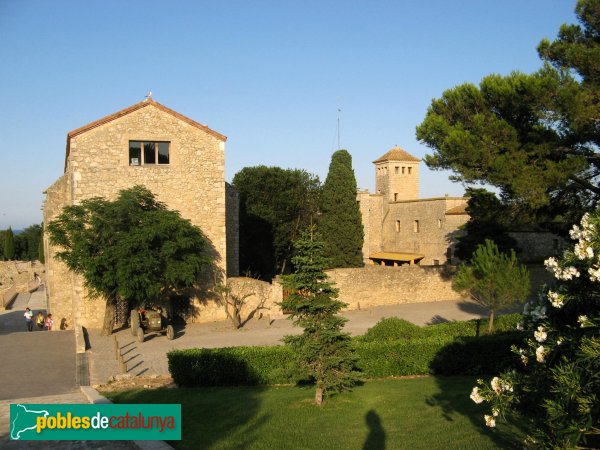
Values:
[(380, 285)]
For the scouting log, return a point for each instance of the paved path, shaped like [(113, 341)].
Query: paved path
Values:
[(38, 367), (149, 357)]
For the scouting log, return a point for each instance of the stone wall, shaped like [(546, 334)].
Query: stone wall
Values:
[(536, 246), (378, 285), (410, 226), (59, 280), (97, 165)]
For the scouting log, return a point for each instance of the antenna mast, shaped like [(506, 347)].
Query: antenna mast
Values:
[(338, 127)]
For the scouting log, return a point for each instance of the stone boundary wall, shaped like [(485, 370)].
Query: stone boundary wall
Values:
[(380, 285)]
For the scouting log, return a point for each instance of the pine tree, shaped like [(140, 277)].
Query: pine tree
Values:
[(9, 245), (323, 350), (493, 279), (341, 224)]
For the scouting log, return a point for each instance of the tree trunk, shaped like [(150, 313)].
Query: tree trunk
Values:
[(109, 317), (491, 323), (319, 396)]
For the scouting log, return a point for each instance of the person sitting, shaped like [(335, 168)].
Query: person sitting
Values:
[(49, 322), (40, 320)]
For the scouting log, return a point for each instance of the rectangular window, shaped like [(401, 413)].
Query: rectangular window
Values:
[(135, 153), (145, 153), (416, 226), (396, 169), (403, 170), (395, 196), (436, 262), (439, 223), (397, 226), (409, 169)]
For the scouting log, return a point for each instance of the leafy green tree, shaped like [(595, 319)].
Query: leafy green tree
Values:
[(509, 132), (493, 279), (323, 350), (577, 49), (533, 136), (27, 243), (340, 222), (275, 205), (556, 384), (9, 245), (132, 248), (41, 257), (486, 217)]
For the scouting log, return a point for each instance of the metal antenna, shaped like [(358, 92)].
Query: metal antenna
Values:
[(338, 127)]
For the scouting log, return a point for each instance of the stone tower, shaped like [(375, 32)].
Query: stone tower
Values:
[(397, 176)]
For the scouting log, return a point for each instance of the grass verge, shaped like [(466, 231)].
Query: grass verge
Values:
[(412, 413)]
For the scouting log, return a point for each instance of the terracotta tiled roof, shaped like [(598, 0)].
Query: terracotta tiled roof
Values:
[(457, 210), (124, 112), (397, 154)]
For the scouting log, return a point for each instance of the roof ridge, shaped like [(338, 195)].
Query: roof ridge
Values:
[(397, 154), (123, 112)]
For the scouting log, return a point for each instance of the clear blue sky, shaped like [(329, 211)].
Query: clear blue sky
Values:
[(270, 75)]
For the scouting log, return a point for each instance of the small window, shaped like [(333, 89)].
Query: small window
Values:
[(397, 226), (395, 196), (141, 153), (396, 170), (439, 223), (436, 262), (416, 226), (409, 169), (403, 170)]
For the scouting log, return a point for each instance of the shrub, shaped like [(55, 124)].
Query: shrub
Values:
[(476, 355), (232, 366), (390, 329)]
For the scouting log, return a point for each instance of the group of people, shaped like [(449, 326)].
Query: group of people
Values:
[(42, 322)]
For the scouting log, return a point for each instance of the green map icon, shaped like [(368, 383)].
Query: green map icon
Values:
[(23, 419)]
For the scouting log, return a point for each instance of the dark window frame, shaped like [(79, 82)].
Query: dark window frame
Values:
[(144, 148)]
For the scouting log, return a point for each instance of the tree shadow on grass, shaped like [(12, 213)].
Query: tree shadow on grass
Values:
[(223, 416), (453, 399)]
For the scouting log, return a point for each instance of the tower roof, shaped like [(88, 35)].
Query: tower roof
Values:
[(397, 154)]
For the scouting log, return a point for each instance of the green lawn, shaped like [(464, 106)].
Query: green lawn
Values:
[(420, 413)]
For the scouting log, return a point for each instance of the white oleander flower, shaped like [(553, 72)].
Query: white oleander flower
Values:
[(520, 326), (524, 360), (582, 320), (495, 412), (540, 335), (490, 421), (496, 384), (476, 396), (556, 299), (594, 273), (505, 386), (559, 341), (540, 354), (583, 251)]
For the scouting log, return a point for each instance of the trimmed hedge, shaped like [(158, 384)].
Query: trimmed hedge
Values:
[(437, 355), (233, 366)]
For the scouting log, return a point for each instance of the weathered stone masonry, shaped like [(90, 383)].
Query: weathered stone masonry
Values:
[(97, 165)]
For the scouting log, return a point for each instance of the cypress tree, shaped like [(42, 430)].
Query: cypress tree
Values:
[(9, 245), (323, 350), (341, 224), (41, 256)]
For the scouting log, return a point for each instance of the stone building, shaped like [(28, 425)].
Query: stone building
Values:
[(180, 160), (400, 228)]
